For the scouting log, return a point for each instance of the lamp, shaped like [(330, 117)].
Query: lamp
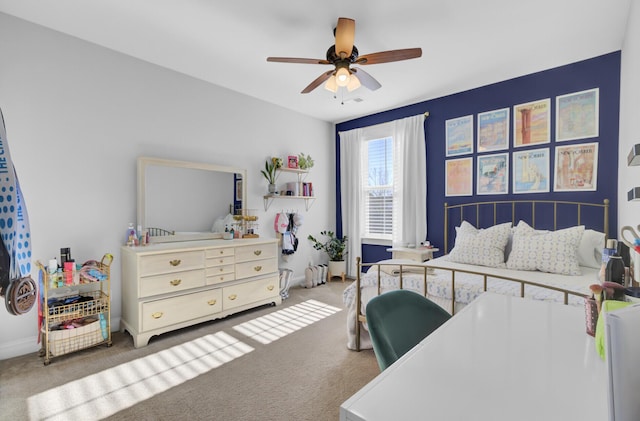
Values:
[(354, 83), (342, 77), (331, 85)]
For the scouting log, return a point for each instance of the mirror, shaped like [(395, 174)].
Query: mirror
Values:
[(186, 198)]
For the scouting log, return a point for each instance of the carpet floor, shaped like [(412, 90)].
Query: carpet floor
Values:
[(219, 370)]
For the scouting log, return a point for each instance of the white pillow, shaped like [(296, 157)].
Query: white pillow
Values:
[(590, 249), (484, 247), (546, 251)]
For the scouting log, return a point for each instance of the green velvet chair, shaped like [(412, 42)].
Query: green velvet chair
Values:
[(398, 320)]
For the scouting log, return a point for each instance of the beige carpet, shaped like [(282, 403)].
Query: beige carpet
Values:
[(304, 375)]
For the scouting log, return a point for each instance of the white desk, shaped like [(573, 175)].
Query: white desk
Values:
[(500, 359), (419, 254)]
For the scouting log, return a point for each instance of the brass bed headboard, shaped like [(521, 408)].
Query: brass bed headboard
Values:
[(519, 205)]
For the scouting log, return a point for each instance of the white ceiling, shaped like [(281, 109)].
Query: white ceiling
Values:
[(465, 43)]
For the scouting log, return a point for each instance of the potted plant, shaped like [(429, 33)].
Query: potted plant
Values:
[(305, 162), (269, 173), (336, 250)]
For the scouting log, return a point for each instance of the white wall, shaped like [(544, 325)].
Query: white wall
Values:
[(629, 212), (78, 115)]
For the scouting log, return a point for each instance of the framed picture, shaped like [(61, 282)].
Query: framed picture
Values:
[(292, 161), (493, 130), (459, 177), (238, 190), (532, 122), (577, 115), (531, 171), (459, 136), (493, 174), (576, 167)]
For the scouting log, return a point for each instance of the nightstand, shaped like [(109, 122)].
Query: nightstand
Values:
[(419, 254)]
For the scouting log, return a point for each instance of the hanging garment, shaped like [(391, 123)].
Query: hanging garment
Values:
[(281, 223), (287, 243), (289, 239)]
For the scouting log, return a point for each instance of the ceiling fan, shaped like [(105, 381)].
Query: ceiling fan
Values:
[(342, 55)]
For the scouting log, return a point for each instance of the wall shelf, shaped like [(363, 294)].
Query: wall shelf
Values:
[(301, 176), (308, 200)]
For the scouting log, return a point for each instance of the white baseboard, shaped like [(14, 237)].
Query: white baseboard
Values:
[(23, 346)]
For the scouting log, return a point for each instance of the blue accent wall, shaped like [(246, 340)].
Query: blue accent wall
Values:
[(601, 72)]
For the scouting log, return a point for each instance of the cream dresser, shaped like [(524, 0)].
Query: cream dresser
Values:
[(169, 286)]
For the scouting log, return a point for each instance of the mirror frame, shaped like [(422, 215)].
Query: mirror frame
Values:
[(144, 162)]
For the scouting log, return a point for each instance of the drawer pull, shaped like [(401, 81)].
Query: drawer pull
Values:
[(157, 314), (233, 297), (257, 252), (222, 278), (212, 302), (270, 287), (257, 268), (221, 269), (175, 262), (176, 282), (221, 251), (221, 261)]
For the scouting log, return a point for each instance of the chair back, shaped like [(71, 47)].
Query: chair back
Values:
[(398, 320)]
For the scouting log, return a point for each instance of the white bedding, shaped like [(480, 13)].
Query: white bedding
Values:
[(468, 287)]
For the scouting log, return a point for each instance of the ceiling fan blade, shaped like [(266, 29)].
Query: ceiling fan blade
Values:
[(345, 35), (313, 85), (298, 60), (389, 56), (366, 79)]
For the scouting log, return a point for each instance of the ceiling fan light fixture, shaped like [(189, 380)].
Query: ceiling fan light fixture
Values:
[(342, 76), (342, 55), (331, 85), (354, 83)]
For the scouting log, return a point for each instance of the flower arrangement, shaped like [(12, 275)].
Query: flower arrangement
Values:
[(305, 162), (269, 171), (334, 247)]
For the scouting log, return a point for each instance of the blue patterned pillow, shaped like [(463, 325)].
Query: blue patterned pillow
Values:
[(484, 247), (546, 251)]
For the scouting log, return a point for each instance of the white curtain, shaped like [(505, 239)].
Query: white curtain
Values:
[(410, 181), (351, 194)]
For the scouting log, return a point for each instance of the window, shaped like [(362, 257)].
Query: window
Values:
[(378, 189)]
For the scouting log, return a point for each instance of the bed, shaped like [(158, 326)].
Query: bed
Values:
[(544, 250)]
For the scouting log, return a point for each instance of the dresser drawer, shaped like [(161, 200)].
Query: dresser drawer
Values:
[(171, 262), (257, 251), (162, 313), (220, 278), (171, 282), (249, 292), (219, 261), (219, 252), (255, 268)]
